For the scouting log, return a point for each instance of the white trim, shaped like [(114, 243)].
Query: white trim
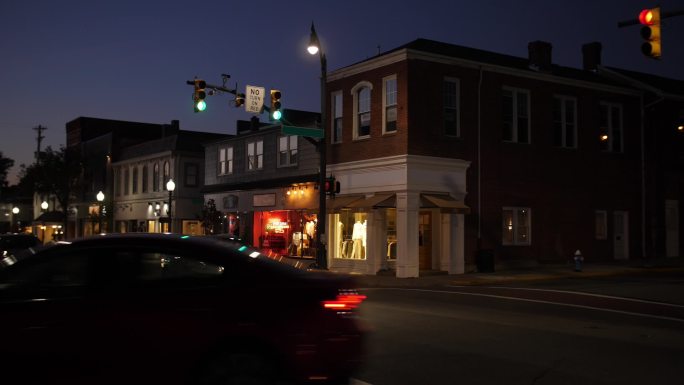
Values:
[(355, 116), (384, 104)]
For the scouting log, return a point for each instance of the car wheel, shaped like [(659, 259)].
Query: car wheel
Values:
[(245, 368)]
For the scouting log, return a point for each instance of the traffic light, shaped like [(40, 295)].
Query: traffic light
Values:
[(276, 113), (239, 99), (199, 95), (650, 32), (332, 186)]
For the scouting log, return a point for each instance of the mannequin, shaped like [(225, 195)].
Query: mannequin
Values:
[(358, 235)]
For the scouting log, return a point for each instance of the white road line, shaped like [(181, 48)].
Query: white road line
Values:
[(354, 381), (536, 301), (578, 293)]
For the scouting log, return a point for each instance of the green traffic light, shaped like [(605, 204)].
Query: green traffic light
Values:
[(201, 105), (277, 114)]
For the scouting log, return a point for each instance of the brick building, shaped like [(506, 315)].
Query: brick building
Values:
[(449, 157)]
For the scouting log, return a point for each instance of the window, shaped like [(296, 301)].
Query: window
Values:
[(255, 155), (287, 151), (564, 122), (611, 127), (516, 226), (163, 266), (225, 160), (167, 173), (134, 182), (191, 175), (337, 118), (601, 224), (127, 180), (516, 115), (119, 183), (144, 178), (362, 109), (450, 96), (390, 105), (155, 177)]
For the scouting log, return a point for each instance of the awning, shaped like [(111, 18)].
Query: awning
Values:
[(375, 201), (341, 202), (50, 217), (444, 202)]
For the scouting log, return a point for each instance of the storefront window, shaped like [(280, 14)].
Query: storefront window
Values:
[(349, 239), (285, 232)]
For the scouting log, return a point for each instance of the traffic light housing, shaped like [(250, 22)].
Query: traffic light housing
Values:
[(199, 95), (276, 112), (332, 186), (239, 100), (650, 32)]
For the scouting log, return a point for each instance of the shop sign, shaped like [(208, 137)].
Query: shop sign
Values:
[(277, 227), (261, 200)]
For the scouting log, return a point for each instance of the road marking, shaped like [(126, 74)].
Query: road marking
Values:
[(536, 301), (577, 293), (354, 381)]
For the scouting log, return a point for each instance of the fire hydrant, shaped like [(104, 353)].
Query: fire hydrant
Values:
[(578, 260)]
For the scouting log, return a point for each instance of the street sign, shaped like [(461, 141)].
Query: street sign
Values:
[(302, 131), (254, 99)]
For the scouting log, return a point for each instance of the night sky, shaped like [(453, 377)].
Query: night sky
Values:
[(129, 60)]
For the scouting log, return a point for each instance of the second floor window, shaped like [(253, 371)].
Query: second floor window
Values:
[(167, 173), (564, 122), (135, 180), (255, 155), (127, 179), (191, 175), (450, 93), (516, 115), (390, 113), (364, 112), (611, 127), (287, 151), (144, 178), (337, 118), (225, 161), (155, 177)]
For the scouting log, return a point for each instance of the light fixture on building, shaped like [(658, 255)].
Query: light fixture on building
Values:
[(44, 205)]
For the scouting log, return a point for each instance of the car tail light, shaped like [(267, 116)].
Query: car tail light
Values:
[(346, 301)]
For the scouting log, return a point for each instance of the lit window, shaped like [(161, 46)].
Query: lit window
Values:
[(516, 226)]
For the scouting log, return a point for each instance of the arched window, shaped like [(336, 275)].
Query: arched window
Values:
[(167, 172), (144, 178), (155, 177), (361, 93)]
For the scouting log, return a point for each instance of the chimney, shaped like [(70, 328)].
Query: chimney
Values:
[(254, 123), (591, 56), (540, 55)]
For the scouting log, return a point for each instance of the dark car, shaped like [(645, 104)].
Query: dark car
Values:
[(13, 243), (152, 308)]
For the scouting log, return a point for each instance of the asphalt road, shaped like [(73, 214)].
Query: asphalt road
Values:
[(557, 333)]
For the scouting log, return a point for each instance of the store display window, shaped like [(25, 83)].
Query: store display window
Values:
[(349, 238), (286, 232)]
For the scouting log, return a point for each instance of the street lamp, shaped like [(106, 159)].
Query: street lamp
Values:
[(100, 198), (170, 185), (44, 205), (15, 212), (315, 48)]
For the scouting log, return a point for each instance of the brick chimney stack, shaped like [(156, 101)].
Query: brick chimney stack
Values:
[(540, 55), (591, 56)]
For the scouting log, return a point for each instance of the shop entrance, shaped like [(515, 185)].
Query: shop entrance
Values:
[(425, 240)]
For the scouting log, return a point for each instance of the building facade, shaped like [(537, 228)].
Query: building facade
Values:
[(459, 156), (141, 173)]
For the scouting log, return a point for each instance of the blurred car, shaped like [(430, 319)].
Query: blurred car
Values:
[(12, 243), (154, 308)]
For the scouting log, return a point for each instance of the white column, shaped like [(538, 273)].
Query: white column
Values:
[(452, 246), (407, 234), (376, 251)]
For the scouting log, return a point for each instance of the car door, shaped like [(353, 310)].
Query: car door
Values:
[(45, 319)]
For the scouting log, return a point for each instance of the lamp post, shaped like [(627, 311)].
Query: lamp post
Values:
[(100, 198), (321, 257), (15, 212), (170, 185)]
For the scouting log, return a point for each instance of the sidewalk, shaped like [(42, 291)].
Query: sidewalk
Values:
[(544, 272)]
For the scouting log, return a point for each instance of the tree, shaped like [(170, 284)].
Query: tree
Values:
[(211, 217), (5, 165), (56, 175)]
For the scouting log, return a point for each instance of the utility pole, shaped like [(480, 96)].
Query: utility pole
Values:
[(39, 139)]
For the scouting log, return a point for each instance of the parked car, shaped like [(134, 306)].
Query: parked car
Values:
[(154, 308), (12, 243)]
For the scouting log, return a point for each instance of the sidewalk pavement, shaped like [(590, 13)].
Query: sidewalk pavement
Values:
[(544, 272)]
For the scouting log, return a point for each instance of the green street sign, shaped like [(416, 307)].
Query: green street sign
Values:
[(302, 131)]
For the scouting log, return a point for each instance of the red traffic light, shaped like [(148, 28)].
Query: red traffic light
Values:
[(647, 17)]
